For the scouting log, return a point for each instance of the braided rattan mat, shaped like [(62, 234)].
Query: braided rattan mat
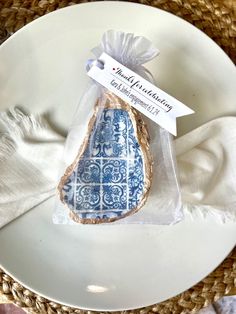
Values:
[(220, 282), (217, 18)]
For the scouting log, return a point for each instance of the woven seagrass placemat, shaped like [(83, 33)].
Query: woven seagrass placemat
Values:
[(220, 282), (216, 18)]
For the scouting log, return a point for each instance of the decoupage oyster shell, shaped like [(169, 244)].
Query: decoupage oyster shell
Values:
[(111, 175)]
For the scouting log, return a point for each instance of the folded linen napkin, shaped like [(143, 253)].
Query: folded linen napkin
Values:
[(225, 305), (30, 152), (207, 169)]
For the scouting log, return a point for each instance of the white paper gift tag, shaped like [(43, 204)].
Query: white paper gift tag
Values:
[(138, 92)]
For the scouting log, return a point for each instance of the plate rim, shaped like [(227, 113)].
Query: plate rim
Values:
[(93, 4)]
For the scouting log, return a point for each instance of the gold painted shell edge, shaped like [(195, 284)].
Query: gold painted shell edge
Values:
[(142, 136)]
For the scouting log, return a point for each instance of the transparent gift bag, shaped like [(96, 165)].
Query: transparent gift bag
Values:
[(118, 165)]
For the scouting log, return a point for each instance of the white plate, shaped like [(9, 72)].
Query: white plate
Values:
[(118, 267)]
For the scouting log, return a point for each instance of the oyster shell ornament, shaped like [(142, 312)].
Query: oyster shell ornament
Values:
[(111, 175)]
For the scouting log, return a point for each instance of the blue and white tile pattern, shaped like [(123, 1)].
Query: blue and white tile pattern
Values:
[(108, 181)]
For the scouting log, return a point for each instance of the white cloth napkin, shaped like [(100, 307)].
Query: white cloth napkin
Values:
[(29, 158), (30, 152), (207, 169), (225, 305)]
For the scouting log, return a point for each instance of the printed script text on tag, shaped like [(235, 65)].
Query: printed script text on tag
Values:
[(139, 93)]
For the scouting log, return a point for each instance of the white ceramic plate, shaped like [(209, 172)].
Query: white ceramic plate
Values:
[(118, 267)]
